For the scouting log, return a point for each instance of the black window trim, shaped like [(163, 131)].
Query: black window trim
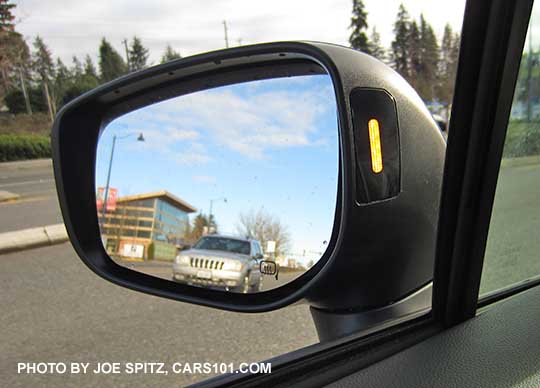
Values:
[(493, 35), (490, 54)]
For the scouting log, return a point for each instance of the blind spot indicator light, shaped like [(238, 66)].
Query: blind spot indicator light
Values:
[(375, 146)]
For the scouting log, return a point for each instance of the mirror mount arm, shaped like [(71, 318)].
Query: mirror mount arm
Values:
[(332, 325)]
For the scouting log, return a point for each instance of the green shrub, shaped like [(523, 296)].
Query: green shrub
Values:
[(22, 147), (522, 139)]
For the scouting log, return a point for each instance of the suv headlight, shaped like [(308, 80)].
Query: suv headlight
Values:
[(232, 265), (185, 260)]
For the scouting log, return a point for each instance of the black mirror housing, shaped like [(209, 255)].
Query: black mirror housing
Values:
[(383, 239)]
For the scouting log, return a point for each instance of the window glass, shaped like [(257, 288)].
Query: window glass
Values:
[(513, 246), (90, 43)]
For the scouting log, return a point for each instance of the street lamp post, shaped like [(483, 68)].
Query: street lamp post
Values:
[(211, 206), (106, 193)]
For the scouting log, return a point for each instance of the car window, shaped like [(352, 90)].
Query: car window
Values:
[(60, 55), (223, 244), (514, 232)]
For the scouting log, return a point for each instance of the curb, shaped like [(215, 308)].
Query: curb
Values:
[(31, 238), (8, 196)]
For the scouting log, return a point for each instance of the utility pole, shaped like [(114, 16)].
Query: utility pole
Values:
[(49, 102), (125, 42), (226, 34), (25, 93)]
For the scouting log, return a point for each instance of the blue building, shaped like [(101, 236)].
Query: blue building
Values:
[(142, 223)]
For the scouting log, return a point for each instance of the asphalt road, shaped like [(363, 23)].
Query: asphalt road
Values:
[(38, 205), (54, 309), (513, 247), (164, 270)]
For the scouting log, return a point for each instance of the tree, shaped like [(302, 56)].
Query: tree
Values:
[(42, 60), (61, 81), (264, 227), (138, 55), (43, 66), (6, 16), (201, 225), (77, 68), (414, 66), (400, 45), (170, 54), (14, 55), (89, 68), (15, 100), (359, 25), (429, 61), (447, 68), (111, 64), (375, 47), (14, 61)]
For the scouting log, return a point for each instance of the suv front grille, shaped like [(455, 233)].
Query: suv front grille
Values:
[(199, 262)]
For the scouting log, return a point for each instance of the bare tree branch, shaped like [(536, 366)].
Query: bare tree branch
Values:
[(264, 227)]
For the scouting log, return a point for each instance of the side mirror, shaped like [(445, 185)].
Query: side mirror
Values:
[(366, 135)]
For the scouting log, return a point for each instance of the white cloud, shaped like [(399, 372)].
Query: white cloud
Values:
[(194, 154), (253, 124), (161, 136), (204, 178), (247, 119)]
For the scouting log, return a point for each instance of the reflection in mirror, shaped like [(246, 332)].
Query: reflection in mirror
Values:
[(232, 188)]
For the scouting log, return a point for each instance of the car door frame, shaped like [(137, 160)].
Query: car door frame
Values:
[(492, 40)]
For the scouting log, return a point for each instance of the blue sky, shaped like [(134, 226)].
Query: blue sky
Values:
[(269, 144)]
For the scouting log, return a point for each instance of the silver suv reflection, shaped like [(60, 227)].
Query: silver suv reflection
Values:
[(222, 262)]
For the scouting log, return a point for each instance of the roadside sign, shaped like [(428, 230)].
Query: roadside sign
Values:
[(270, 246), (133, 250), (111, 199)]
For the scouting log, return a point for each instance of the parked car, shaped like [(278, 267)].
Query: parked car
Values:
[(223, 262)]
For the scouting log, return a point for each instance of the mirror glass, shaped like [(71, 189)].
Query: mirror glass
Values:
[(232, 188)]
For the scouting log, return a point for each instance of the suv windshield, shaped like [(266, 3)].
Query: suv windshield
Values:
[(223, 244)]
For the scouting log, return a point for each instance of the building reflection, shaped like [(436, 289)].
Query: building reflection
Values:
[(151, 226)]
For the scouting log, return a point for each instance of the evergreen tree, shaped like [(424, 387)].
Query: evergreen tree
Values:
[(429, 61), (111, 64), (7, 19), (82, 79), (201, 224), (43, 66), (359, 25), (138, 55), (61, 81), (414, 72), (89, 68), (14, 52), (447, 68), (375, 47), (42, 61), (400, 45), (170, 54), (77, 68)]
